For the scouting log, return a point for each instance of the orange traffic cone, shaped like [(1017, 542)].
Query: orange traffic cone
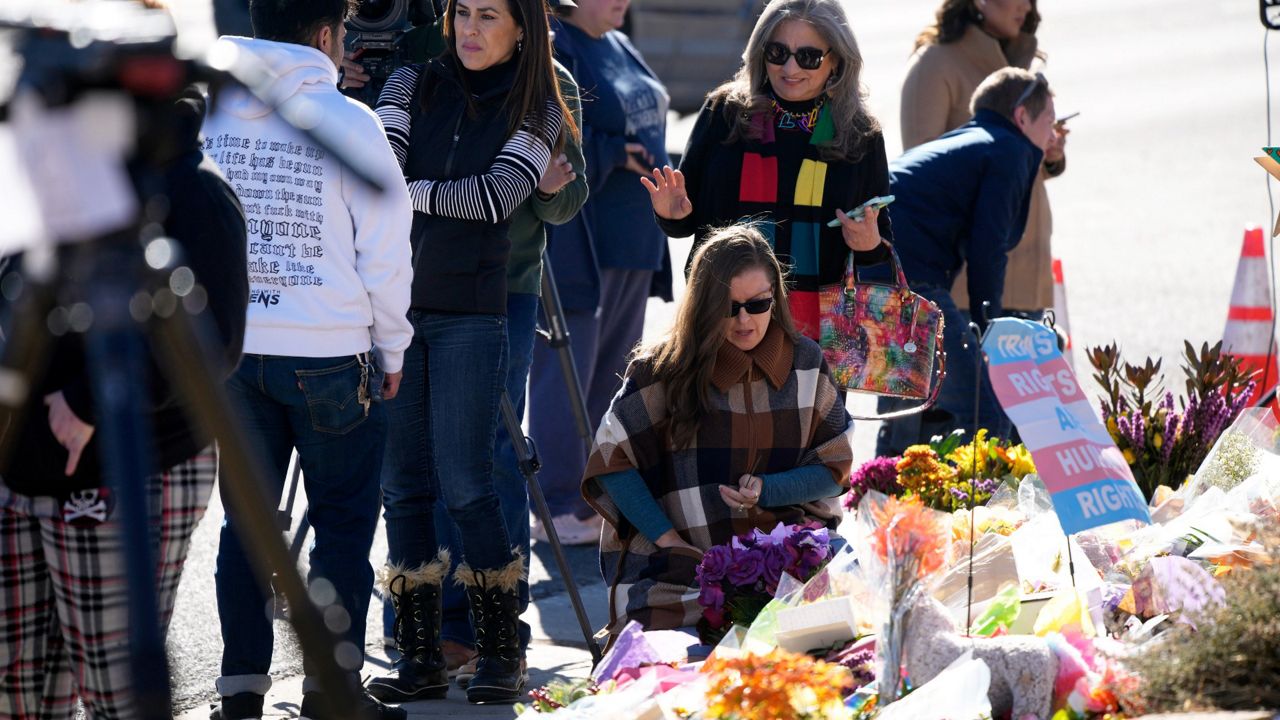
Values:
[(1250, 332), (1060, 317)]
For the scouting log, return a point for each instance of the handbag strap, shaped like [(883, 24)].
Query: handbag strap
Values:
[(851, 274), (940, 371)]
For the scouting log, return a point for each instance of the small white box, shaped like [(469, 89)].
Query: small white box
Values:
[(817, 625)]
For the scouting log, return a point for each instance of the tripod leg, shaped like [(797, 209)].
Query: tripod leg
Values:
[(558, 338), (116, 352), (525, 458), (184, 353)]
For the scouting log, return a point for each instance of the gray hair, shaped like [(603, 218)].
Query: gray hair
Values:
[(747, 94)]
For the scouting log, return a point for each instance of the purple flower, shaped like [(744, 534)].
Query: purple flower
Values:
[(776, 560), (711, 596), (879, 474), (777, 536), (715, 563), (1171, 421), (748, 564), (812, 548)]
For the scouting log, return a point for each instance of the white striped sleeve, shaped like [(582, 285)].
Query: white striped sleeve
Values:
[(393, 108), (492, 197)]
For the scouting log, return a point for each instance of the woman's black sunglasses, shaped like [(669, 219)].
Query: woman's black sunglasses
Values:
[(753, 307), (809, 58)]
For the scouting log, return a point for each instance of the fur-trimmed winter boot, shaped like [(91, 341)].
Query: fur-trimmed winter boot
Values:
[(494, 596), (420, 673)]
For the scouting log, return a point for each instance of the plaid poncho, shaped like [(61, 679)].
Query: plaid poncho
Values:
[(774, 409)]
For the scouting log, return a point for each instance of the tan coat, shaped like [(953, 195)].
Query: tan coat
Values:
[(935, 99)]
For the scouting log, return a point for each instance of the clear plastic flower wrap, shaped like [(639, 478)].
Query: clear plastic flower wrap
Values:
[(901, 547), (1249, 447)]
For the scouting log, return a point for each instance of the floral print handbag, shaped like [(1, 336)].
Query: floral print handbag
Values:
[(883, 339)]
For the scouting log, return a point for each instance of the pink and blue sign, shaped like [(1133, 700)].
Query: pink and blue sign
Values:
[(1089, 480)]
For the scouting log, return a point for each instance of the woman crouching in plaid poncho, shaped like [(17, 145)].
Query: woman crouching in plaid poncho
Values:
[(730, 422)]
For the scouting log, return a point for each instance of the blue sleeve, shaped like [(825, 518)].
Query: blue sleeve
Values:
[(806, 483), (999, 218), (603, 151), (636, 503)]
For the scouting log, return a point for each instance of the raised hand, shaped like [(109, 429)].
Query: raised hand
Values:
[(668, 194)]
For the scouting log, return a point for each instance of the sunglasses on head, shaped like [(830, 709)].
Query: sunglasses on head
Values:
[(1026, 94), (809, 58), (753, 307)]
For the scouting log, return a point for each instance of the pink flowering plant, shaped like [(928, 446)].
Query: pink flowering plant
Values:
[(879, 474), (738, 579)]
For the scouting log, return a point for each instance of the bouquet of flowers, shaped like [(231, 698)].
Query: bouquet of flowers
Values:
[(879, 474), (1162, 438), (558, 694), (950, 473), (737, 580), (908, 543), (778, 685)]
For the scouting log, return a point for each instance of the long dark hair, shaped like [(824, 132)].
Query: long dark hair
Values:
[(535, 82), (747, 94), (955, 16), (685, 358)]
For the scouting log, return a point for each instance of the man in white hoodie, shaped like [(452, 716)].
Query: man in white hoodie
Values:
[(329, 276)]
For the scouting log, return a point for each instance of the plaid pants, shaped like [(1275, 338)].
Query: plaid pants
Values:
[(64, 598)]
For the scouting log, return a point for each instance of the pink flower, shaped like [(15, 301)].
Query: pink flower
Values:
[(714, 616)]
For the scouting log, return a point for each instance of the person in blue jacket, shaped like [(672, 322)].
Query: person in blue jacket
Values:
[(962, 200), (609, 260)]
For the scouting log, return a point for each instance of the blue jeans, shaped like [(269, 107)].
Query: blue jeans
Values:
[(955, 406), (441, 441), (309, 404)]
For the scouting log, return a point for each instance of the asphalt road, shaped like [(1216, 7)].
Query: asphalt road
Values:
[(1148, 217)]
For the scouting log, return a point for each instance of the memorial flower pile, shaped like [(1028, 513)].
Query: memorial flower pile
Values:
[(737, 580)]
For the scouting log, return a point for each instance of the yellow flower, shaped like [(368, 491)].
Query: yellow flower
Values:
[(1112, 427), (1019, 459), (1128, 456), (962, 457), (1158, 441)]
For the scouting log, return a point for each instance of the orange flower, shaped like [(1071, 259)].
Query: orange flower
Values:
[(908, 529), (778, 685)]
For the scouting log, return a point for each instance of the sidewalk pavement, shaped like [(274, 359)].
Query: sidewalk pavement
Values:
[(557, 651)]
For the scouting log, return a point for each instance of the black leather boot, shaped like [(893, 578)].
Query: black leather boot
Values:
[(420, 673), (495, 610)]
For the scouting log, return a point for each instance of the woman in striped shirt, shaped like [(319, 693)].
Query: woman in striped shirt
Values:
[(474, 131)]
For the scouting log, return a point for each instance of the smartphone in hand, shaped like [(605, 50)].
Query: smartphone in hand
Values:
[(878, 202)]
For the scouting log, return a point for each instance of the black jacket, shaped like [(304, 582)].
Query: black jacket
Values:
[(208, 223), (458, 265)]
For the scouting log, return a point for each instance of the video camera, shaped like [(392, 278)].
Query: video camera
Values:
[(379, 31)]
